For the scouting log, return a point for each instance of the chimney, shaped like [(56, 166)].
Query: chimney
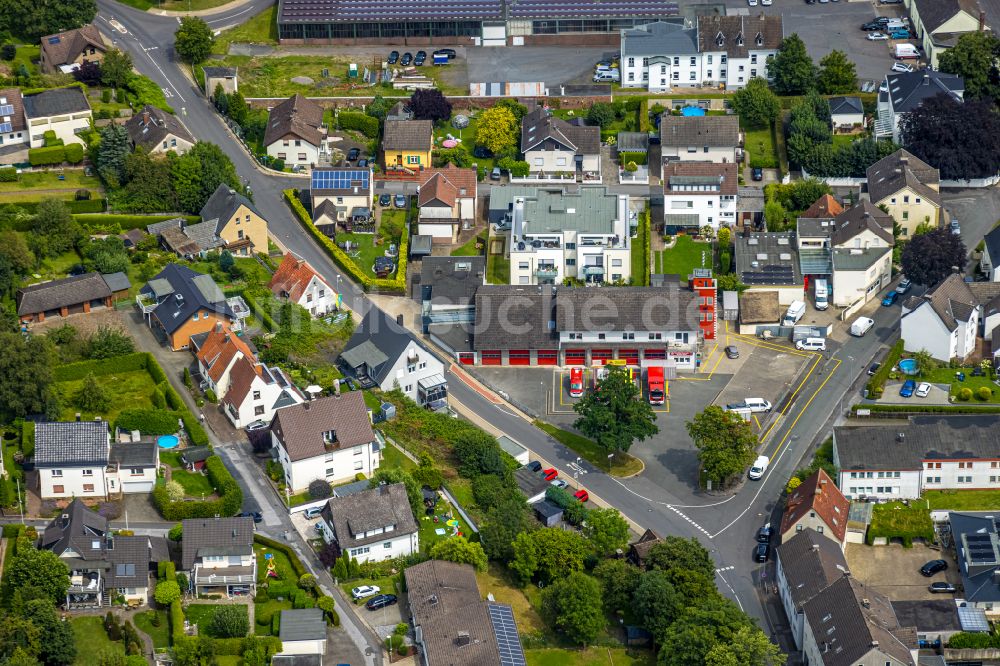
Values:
[(336, 387), (867, 604), (903, 159), (927, 79), (463, 638), (399, 319), (874, 643), (218, 327), (78, 416), (232, 192), (900, 436), (145, 117), (982, 21), (305, 405), (815, 546)]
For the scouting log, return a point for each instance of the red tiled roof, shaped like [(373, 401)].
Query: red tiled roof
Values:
[(820, 494), (241, 381), (219, 349), (823, 208), (446, 184), (292, 278)]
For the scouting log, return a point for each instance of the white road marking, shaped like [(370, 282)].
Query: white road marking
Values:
[(164, 74), (231, 16), (735, 596), (729, 568), (118, 26)]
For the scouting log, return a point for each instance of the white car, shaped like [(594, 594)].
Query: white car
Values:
[(752, 3), (766, 3), (877, 37), (558, 483), (923, 390), (901, 67), (365, 591)]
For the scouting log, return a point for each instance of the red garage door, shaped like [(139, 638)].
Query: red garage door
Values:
[(519, 357), (547, 357), (600, 356), (466, 358), (576, 357), (655, 354), (631, 356), (491, 357)]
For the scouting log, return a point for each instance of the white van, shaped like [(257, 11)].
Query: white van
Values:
[(607, 76), (861, 326), (895, 24), (905, 52), (811, 344), (758, 468), (795, 312), (822, 295), (757, 405)]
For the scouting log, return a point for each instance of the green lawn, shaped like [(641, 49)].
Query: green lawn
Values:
[(470, 249), (946, 375), (260, 29), (265, 607), (364, 251), (385, 585), (127, 390), (623, 465), (640, 260), (497, 269), (58, 267), (896, 520), (282, 565), (595, 656), (843, 140), (228, 660), (201, 614), (160, 634), (683, 257), (498, 582), (426, 526), (175, 5), (91, 639), (961, 500), (27, 56), (759, 144), (194, 484), (393, 458), (46, 180)]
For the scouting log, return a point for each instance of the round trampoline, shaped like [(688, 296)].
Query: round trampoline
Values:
[(167, 441)]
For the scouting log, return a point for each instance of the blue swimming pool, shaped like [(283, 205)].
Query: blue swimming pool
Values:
[(167, 441), (692, 111), (908, 366)]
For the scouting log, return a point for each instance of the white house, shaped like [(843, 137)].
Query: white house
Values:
[(329, 438), (299, 282), (552, 146), (295, 133), (447, 201), (158, 132), (846, 112), (928, 453), (340, 196), (583, 235), (77, 459), (903, 92), (700, 138), (698, 195), (944, 321), (861, 243), (660, 55), (806, 563), (217, 353), (735, 49), (384, 354), (256, 392), (302, 631), (372, 525), (64, 111), (217, 555)]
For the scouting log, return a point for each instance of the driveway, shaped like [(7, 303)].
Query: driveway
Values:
[(553, 65), (977, 211), (895, 571)]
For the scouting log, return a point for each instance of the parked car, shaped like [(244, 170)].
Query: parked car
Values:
[(907, 389), (420, 58), (399, 201), (933, 567), (732, 351), (956, 228), (762, 552), (550, 473), (353, 154), (558, 483), (384, 200), (765, 3), (257, 517), (873, 368), (941, 586), (381, 601), (757, 174), (447, 52), (923, 390), (752, 3), (256, 425), (764, 534), (877, 37), (582, 495), (873, 26), (903, 286), (811, 344), (890, 2), (901, 67), (890, 299), (495, 174), (393, 58), (365, 591), (406, 59), (534, 466), (313, 512), (900, 34)]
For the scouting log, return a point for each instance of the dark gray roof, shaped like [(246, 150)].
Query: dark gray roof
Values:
[(992, 241), (937, 437), (152, 125), (222, 205), (519, 317), (659, 39), (908, 90), (55, 102), (902, 169), (352, 11), (378, 332), (130, 557), (302, 624), (952, 300), (71, 444), (687, 131), (453, 280), (591, 309), (76, 528), (738, 35), (196, 454), (297, 660), (134, 454), (371, 509), (846, 105), (61, 293), (408, 135), (197, 292), (547, 509), (218, 535), (935, 13), (529, 483), (541, 131), (928, 615), (775, 256), (810, 562), (978, 577), (219, 72), (350, 488), (863, 216), (118, 281), (300, 428), (632, 142)]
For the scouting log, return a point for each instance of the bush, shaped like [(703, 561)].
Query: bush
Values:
[(319, 489), (230, 622), (354, 120), (74, 153), (176, 532), (196, 432), (632, 156), (965, 394), (148, 421), (278, 165), (47, 156), (28, 438), (876, 384), (175, 491), (186, 378), (104, 366), (8, 52), (229, 502), (176, 621), (276, 624), (984, 393), (156, 397), (8, 175), (106, 95), (167, 592), (210, 396)]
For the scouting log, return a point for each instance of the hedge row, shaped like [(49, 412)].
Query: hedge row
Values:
[(75, 207), (148, 421), (237, 646), (877, 383), (624, 157), (228, 504), (28, 439), (293, 558), (196, 432), (177, 621), (73, 153), (354, 120), (929, 409), (263, 315), (125, 222), (646, 232), (395, 285), (128, 363)]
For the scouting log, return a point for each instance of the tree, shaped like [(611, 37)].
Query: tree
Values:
[(16, 250), (26, 381), (698, 630), (230, 621), (572, 605), (89, 73), (194, 651), (756, 104), (18, 633), (618, 580), (676, 552), (601, 114), (460, 550), (111, 153), (479, 454), (167, 592), (748, 647), (55, 231), (960, 139), (149, 185), (793, 70), (606, 530), (193, 40), (656, 602), (92, 397), (430, 104), (32, 20), (378, 107), (237, 106), (108, 342), (21, 657), (726, 444), (497, 128), (929, 258), (198, 173), (398, 475), (837, 75), (974, 58), (503, 522), (548, 554), (107, 255), (175, 491), (41, 569), (614, 414), (319, 489), (774, 216), (116, 68), (56, 640)]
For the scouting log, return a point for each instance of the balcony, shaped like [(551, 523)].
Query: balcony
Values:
[(593, 270), (550, 272), (88, 582)]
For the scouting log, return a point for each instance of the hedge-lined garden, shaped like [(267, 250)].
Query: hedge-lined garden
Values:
[(895, 520), (228, 503), (876, 385)]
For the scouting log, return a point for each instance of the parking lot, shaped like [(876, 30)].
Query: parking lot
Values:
[(895, 571)]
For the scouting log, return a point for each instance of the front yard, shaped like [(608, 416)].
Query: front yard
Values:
[(683, 257), (201, 615), (195, 484), (161, 633), (91, 639), (947, 375)]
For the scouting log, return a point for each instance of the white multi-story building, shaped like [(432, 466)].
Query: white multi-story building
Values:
[(928, 453), (944, 321), (700, 138), (698, 195), (807, 563), (552, 146), (372, 525), (583, 235), (330, 439), (64, 111), (295, 133), (659, 56), (903, 92)]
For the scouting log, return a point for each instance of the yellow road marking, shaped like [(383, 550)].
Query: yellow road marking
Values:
[(791, 396), (819, 388), (757, 421)]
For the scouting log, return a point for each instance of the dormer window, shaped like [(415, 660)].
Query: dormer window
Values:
[(330, 436), (759, 40), (720, 39), (739, 39)]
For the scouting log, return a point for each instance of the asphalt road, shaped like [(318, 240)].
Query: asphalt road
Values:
[(724, 523)]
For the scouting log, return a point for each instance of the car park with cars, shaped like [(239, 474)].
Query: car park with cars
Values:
[(933, 567), (558, 483), (393, 58), (757, 174), (762, 552), (873, 368), (582, 495), (550, 474), (406, 59), (765, 533), (255, 515), (877, 37), (534, 466), (381, 601), (353, 154), (811, 344), (907, 389), (313, 512), (451, 54), (365, 591), (420, 58)]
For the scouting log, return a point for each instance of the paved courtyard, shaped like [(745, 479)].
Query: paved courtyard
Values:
[(895, 571)]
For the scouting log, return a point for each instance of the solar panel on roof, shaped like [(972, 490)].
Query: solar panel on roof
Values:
[(972, 619), (6, 109), (340, 179), (6, 127), (505, 630)]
